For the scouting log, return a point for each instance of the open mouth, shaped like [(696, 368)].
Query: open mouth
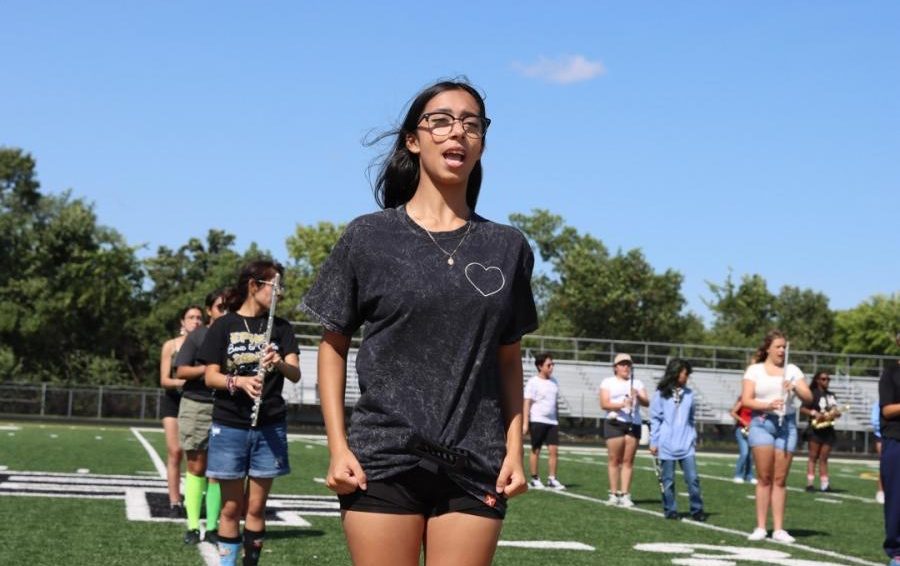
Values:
[(455, 156)]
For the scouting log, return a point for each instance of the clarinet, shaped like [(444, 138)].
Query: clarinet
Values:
[(261, 371)]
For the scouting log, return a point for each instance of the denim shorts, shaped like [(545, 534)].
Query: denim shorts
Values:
[(235, 453), (765, 431)]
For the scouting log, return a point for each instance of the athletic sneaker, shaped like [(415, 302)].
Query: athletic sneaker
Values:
[(700, 517), (625, 500), (826, 488), (536, 483), (782, 535), (738, 480), (613, 500), (753, 481), (810, 489), (757, 534), (212, 537), (192, 536), (554, 483), (879, 497), (176, 511)]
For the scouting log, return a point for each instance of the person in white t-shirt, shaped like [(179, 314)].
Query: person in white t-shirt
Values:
[(769, 388), (622, 396), (540, 420)]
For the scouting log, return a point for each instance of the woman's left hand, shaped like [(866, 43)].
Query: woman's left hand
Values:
[(271, 358), (511, 481)]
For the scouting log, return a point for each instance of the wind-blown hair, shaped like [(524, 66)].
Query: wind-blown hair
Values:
[(762, 352), (259, 270), (669, 380), (398, 169)]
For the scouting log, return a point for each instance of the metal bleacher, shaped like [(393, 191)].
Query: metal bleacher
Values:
[(582, 364)]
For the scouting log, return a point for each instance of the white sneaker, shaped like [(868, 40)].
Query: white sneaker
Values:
[(554, 483), (879, 497), (738, 480), (613, 500), (757, 534), (625, 500), (535, 483), (753, 481), (782, 535)]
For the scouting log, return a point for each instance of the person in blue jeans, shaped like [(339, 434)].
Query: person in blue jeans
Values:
[(673, 437), (743, 468)]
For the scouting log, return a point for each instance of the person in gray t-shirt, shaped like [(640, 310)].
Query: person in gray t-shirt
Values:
[(444, 296)]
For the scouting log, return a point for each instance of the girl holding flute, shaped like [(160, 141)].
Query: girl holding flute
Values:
[(769, 386), (242, 368)]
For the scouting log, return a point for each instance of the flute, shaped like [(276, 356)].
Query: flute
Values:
[(261, 371), (784, 394)]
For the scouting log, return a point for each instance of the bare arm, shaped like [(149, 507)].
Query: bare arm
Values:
[(608, 405), (748, 399), (891, 411), (526, 410), (165, 366), (734, 411), (345, 475), (188, 373), (511, 481)]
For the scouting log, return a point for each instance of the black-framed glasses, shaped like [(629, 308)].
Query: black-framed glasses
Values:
[(441, 124)]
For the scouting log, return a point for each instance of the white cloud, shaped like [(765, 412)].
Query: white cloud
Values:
[(563, 70)]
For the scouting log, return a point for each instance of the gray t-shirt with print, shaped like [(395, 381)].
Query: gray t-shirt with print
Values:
[(428, 360)]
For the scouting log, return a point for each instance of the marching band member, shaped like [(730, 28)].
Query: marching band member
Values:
[(769, 388), (743, 468), (822, 411)]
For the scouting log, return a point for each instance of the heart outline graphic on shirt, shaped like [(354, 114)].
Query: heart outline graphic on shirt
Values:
[(485, 270)]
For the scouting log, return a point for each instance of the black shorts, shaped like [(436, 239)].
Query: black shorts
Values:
[(617, 429), (821, 435), (168, 405), (543, 433), (417, 492)]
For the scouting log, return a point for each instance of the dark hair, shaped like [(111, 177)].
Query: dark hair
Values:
[(261, 269), (398, 175), (211, 297), (762, 352), (185, 310), (815, 379), (541, 358), (669, 380)]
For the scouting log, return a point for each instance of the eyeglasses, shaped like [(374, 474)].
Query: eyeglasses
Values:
[(440, 124), (280, 289)]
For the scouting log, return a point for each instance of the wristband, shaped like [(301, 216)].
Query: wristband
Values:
[(230, 384)]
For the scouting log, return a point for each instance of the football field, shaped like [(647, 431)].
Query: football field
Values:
[(97, 495)]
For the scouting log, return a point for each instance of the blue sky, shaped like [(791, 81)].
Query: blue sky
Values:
[(761, 137)]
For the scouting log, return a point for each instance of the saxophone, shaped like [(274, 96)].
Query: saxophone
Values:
[(826, 419), (261, 371)]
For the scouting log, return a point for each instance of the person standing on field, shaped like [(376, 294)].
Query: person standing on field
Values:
[(541, 421)]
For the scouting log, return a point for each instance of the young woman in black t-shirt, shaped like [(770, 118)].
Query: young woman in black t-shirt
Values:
[(233, 351), (820, 434), (189, 320), (435, 443)]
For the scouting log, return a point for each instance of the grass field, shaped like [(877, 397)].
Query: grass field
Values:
[(94, 495)]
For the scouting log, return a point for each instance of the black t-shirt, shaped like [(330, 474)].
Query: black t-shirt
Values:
[(236, 343), (194, 389), (428, 360), (888, 394), (823, 400)]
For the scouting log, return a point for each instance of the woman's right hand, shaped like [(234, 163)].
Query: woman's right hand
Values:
[(251, 385), (345, 475), (776, 405)]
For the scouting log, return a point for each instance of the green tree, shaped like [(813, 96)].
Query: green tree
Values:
[(308, 248), (805, 316), (870, 327), (595, 294), (742, 313), (70, 289)]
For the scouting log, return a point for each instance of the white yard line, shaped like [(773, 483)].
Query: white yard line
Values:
[(741, 534)]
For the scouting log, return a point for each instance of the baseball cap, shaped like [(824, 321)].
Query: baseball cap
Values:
[(622, 358)]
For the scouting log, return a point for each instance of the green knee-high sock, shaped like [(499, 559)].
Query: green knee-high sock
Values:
[(193, 498), (213, 505)]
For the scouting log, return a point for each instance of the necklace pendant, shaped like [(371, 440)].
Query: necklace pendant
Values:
[(450, 261)]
